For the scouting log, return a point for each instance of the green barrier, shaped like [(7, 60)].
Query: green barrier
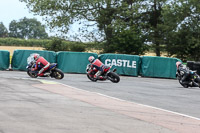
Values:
[(162, 67), (125, 64), (4, 59), (73, 62), (19, 59)]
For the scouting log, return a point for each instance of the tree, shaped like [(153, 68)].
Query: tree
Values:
[(106, 15), (123, 24), (150, 20), (183, 38), (3, 30), (128, 41), (27, 29), (174, 24)]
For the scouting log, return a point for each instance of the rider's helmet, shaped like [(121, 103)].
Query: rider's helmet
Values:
[(178, 64), (91, 59), (36, 57)]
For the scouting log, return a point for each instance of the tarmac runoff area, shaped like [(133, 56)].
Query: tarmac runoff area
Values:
[(33, 106)]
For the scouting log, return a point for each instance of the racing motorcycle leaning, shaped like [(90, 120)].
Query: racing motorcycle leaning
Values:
[(51, 72), (107, 74), (193, 79)]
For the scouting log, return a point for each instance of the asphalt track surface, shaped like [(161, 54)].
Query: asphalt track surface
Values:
[(19, 92)]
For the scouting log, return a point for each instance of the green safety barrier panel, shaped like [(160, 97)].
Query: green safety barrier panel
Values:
[(4, 59), (125, 64), (19, 59), (163, 67), (73, 62)]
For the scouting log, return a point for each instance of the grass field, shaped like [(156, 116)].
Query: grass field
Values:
[(12, 48)]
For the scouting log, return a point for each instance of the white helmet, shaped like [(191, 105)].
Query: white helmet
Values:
[(36, 56), (178, 64), (91, 59)]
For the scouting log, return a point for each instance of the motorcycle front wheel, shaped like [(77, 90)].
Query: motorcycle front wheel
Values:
[(32, 74), (184, 85), (91, 78), (57, 74), (113, 77)]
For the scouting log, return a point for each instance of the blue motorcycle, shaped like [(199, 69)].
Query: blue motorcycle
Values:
[(53, 71)]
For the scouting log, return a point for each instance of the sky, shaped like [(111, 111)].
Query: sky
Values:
[(15, 10)]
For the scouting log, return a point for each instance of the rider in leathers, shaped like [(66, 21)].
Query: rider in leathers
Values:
[(44, 64), (185, 72), (98, 65)]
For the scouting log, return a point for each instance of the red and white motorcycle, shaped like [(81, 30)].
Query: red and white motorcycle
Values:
[(107, 74)]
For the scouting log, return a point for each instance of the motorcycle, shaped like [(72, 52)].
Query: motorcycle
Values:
[(107, 74), (51, 72), (193, 79)]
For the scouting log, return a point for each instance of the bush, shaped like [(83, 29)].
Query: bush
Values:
[(56, 44), (77, 47), (22, 42)]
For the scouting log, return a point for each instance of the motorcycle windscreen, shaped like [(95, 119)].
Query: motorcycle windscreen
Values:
[(30, 59)]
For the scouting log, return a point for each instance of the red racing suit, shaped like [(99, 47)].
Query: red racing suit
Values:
[(44, 65), (98, 65)]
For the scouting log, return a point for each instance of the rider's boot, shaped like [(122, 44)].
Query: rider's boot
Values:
[(190, 84), (41, 74), (46, 75), (97, 75)]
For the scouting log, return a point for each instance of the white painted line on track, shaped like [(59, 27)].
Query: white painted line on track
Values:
[(135, 103)]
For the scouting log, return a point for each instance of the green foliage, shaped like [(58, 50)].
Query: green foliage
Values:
[(27, 29), (56, 44), (150, 21), (77, 47), (185, 44), (183, 38), (94, 45), (104, 14), (129, 41), (174, 24), (3, 30), (23, 42)]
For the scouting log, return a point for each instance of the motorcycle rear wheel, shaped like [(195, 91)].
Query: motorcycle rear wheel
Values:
[(57, 74), (113, 77), (198, 80)]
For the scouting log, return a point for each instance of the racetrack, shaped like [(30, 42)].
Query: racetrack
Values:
[(162, 93), (166, 94)]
